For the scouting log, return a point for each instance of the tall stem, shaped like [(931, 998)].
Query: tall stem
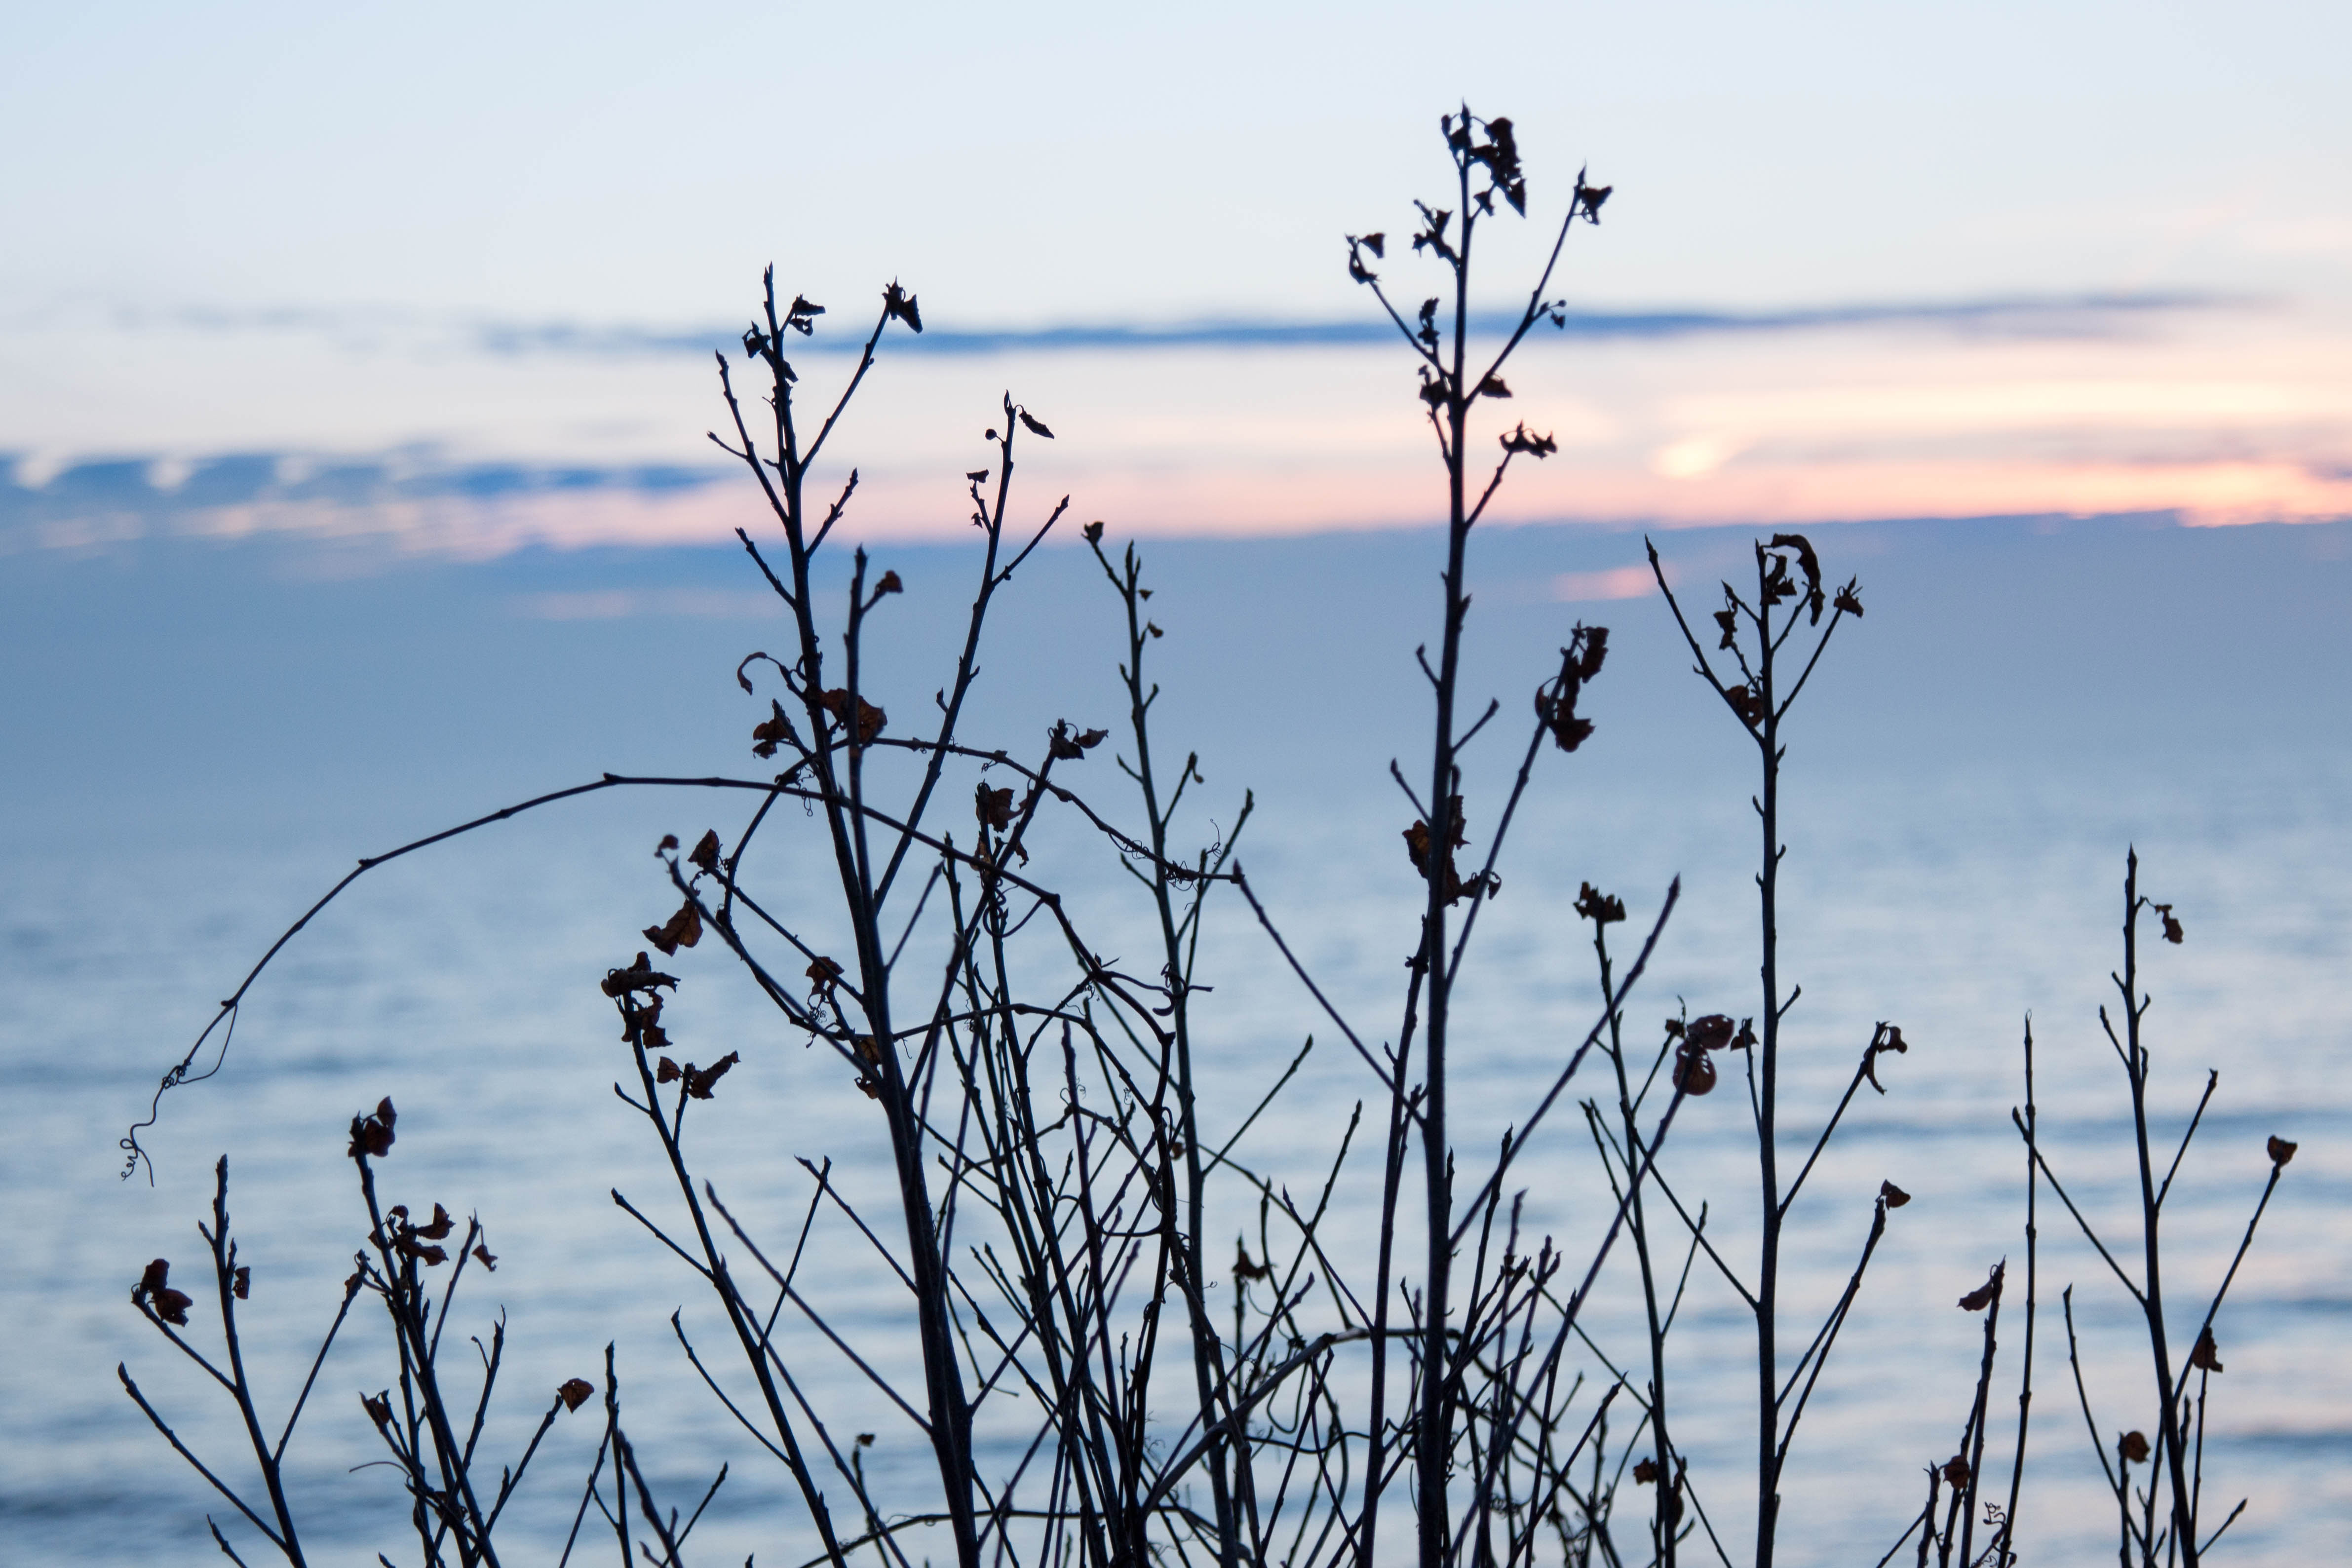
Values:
[(1768, 1277), (2184, 1521), (1434, 1450)]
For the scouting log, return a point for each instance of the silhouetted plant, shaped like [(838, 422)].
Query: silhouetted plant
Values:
[(1055, 1158)]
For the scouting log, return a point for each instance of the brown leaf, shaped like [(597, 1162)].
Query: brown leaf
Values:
[(1847, 600), (698, 1084), (2207, 1356), (993, 806), (482, 1256), (2281, 1151), (1748, 703), (640, 976), (1892, 1196), (241, 1283), (683, 929), (1033, 426), (824, 973), (373, 1134), (666, 1072), (771, 731), (1601, 908), (152, 1278), (1645, 1471), (1808, 563), (1955, 1470), (1694, 1072), (897, 301), (706, 850), (868, 1087), (1747, 1035), (2133, 1446), (1493, 386), (439, 1229), (669, 841), (871, 719), (1730, 620), (2172, 931), (1985, 1295), (889, 584), (1245, 1269), (575, 1392), (379, 1408), (1712, 1033), (1093, 532), (1888, 1038)]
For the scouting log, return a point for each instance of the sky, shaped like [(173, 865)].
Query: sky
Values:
[(447, 278)]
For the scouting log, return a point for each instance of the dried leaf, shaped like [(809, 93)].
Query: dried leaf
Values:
[(482, 1256), (993, 806), (889, 584), (1645, 1471), (706, 852), (439, 1229), (1746, 702), (683, 929), (1377, 242), (1847, 602), (1033, 425), (1494, 386), (2132, 1447), (666, 1072), (1601, 908), (1093, 532), (2207, 1356), (1589, 200), (1955, 1470), (241, 1283), (699, 1084), (977, 475), (1712, 1033), (1985, 1295), (824, 973), (1807, 562), (871, 719), (1155, 631), (1067, 744), (669, 842), (1520, 439), (770, 732), (575, 1392), (2172, 931), (1730, 620), (378, 1407), (2281, 1151), (897, 302), (1245, 1269), (1694, 1072), (373, 1134), (1892, 1196)]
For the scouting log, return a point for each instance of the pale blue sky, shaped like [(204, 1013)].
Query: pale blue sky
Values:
[(285, 229)]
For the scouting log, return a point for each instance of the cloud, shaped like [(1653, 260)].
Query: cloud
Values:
[(2064, 316)]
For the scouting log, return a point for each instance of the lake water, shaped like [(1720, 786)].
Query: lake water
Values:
[(1948, 888)]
